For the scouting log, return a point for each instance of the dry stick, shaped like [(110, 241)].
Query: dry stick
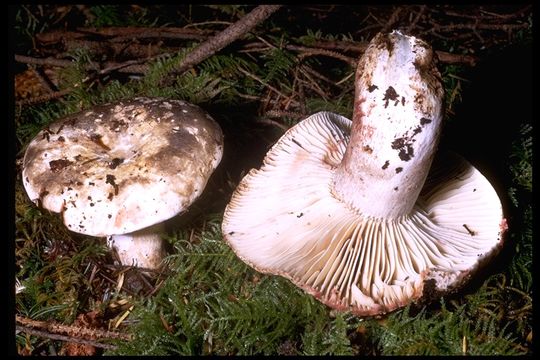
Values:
[(507, 16), (318, 75), (394, 18), (122, 34), (314, 85), (311, 51), (63, 337), (129, 66), (360, 47), (282, 113), (417, 17), (475, 26), (76, 331), (119, 34), (227, 36), (258, 79), (43, 98), (274, 123), (47, 61)]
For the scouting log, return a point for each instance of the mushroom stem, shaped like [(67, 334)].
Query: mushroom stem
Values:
[(143, 248), (396, 125)]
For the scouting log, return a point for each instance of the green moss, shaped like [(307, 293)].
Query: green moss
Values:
[(443, 333)]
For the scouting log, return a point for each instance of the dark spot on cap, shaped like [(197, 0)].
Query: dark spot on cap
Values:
[(115, 162), (58, 165), (300, 215), (110, 196), (61, 139), (231, 233), (396, 188), (96, 138), (398, 143), (372, 88), (403, 100), (424, 121), (109, 216), (46, 135), (60, 128), (398, 170), (110, 180), (92, 204), (386, 163)]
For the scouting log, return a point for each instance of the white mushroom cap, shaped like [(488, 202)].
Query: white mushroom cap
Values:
[(118, 168), (285, 219)]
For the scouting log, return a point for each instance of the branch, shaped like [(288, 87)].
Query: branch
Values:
[(227, 36), (311, 51), (43, 98), (129, 66), (360, 47), (48, 335), (47, 61), (75, 331)]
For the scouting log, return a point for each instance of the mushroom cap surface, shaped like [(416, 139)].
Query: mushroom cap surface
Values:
[(284, 219), (117, 168)]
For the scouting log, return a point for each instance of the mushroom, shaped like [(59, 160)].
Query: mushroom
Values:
[(120, 170), (343, 208)]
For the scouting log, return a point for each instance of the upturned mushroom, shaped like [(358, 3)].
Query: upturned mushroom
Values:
[(343, 209), (119, 170)]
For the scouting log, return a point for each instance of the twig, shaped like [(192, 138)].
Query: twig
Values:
[(306, 51), (502, 27), (256, 78), (449, 58), (130, 66), (394, 18), (119, 34), (75, 331), (274, 123), (43, 98), (312, 51), (360, 47), (128, 33), (281, 113), (63, 337), (317, 74), (47, 61), (417, 17), (301, 95), (315, 86), (227, 36), (508, 16)]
